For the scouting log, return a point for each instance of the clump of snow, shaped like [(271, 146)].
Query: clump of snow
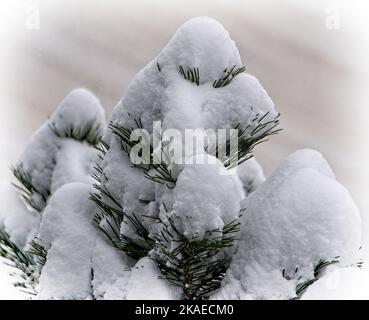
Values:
[(204, 43), (15, 218), (68, 235), (79, 109), (341, 284), (251, 175), (144, 283), (300, 215), (206, 197), (159, 91)]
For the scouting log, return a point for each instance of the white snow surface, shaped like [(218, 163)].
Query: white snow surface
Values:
[(75, 161), (341, 284), (206, 197), (77, 110), (144, 283), (68, 234), (110, 275), (15, 218), (165, 95), (300, 215), (251, 175)]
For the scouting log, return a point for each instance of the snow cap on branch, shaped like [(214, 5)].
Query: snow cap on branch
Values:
[(299, 216)]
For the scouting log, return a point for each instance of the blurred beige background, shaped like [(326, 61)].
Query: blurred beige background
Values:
[(314, 68)]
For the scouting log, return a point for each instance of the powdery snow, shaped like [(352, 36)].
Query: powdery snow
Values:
[(79, 109), (340, 284), (206, 197), (68, 235), (144, 283), (110, 275), (300, 215)]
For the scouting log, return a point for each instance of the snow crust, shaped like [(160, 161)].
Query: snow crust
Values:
[(300, 215)]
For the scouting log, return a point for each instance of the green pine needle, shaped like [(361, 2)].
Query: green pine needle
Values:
[(35, 197), (192, 75), (91, 132), (228, 77), (22, 260)]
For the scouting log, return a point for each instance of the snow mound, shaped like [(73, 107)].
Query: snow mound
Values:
[(340, 284), (201, 42), (68, 235), (109, 283), (206, 197), (144, 283), (160, 92), (79, 109), (300, 215)]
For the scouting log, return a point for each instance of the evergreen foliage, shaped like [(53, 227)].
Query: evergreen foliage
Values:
[(29, 263), (35, 197)]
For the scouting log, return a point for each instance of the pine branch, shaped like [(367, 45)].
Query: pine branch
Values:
[(260, 132), (192, 75), (156, 172), (38, 252), (21, 260), (142, 244), (228, 77), (197, 266), (91, 132), (110, 215), (319, 268), (36, 198)]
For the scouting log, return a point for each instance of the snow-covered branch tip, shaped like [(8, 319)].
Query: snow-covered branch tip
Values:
[(319, 269), (91, 132)]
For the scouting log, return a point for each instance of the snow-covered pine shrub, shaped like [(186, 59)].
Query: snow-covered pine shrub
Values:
[(179, 228), (60, 152)]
